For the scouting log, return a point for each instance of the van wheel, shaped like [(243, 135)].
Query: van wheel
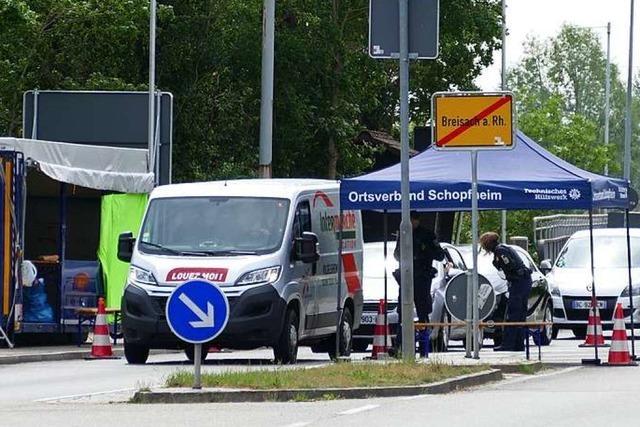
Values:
[(345, 336), (136, 354), (285, 350), (190, 352)]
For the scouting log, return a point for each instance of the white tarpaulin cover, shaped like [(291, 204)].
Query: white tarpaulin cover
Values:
[(100, 168)]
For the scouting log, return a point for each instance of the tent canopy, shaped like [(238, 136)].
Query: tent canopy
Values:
[(525, 177), (97, 167)]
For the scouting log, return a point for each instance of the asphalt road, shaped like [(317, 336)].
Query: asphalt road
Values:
[(94, 393)]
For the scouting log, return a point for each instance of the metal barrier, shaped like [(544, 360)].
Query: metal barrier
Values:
[(551, 232), (423, 327)]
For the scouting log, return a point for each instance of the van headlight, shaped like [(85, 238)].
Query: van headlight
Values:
[(139, 276), (264, 276), (636, 291)]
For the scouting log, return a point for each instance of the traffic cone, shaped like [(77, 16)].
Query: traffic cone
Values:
[(619, 353), (380, 347), (595, 338), (101, 346)]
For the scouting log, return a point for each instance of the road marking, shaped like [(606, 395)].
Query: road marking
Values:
[(419, 396), (73, 396), (358, 410), (533, 377), (299, 424)]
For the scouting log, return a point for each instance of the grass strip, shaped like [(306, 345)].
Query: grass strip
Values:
[(341, 375)]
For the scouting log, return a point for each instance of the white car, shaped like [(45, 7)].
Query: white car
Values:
[(373, 289), (570, 278)]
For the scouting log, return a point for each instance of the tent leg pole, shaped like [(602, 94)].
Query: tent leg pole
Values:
[(595, 360), (339, 292), (385, 230), (631, 310)]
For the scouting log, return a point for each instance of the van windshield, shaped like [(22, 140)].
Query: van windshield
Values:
[(608, 252), (214, 226)]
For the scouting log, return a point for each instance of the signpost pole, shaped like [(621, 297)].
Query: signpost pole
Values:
[(266, 100), (503, 85), (152, 85), (474, 248), (197, 361), (469, 317), (406, 235)]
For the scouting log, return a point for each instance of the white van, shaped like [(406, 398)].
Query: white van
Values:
[(271, 245)]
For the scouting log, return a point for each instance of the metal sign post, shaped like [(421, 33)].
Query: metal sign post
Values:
[(413, 34), (197, 311), (473, 121), (474, 245)]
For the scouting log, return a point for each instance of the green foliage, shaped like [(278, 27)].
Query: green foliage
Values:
[(327, 88)]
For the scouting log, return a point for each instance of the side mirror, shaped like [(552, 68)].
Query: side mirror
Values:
[(126, 241), (306, 248), (545, 266)]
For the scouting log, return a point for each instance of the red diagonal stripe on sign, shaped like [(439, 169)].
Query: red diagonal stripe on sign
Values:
[(481, 115), (351, 275)]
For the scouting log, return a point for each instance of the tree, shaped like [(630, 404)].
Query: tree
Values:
[(327, 88)]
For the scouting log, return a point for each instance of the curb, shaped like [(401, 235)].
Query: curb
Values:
[(60, 356), (522, 368), (222, 396), (50, 357)]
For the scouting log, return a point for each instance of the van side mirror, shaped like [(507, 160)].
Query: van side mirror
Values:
[(126, 241), (545, 266), (306, 248)]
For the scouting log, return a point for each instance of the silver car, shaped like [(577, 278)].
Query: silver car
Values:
[(540, 305)]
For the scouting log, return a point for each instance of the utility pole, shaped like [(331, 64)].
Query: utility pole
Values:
[(152, 86), (607, 95), (266, 99), (406, 231), (504, 87), (627, 122)]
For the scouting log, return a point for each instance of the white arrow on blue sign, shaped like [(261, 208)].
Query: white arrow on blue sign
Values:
[(197, 311)]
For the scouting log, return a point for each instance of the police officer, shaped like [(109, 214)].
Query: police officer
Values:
[(426, 249), (518, 276)]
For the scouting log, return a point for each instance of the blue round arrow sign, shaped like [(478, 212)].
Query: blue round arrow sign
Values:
[(197, 311)]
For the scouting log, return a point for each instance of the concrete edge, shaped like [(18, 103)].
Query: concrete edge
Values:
[(223, 396), (529, 367)]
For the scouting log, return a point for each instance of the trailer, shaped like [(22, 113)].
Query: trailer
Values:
[(51, 203)]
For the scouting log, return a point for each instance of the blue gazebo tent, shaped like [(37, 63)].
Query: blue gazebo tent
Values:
[(526, 177)]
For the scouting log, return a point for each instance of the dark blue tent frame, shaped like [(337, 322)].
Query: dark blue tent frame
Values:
[(527, 177)]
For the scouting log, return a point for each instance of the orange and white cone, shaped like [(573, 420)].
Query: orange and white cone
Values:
[(594, 328), (380, 347), (101, 346), (619, 352)]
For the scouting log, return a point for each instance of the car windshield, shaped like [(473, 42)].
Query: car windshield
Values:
[(211, 226), (608, 252)]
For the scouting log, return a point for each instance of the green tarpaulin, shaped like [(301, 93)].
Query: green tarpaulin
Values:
[(119, 213)]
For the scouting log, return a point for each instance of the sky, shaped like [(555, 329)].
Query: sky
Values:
[(543, 19)]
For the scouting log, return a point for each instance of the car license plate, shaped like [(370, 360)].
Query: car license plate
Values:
[(368, 319), (586, 305)]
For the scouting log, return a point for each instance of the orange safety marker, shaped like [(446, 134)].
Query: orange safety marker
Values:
[(594, 328), (619, 353), (380, 347), (101, 346)]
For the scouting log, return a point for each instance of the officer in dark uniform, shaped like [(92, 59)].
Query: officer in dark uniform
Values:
[(426, 249), (518, 275)]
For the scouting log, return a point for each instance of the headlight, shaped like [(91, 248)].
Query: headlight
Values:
[(636, 291), (263, 276), (140, 276), (555, 291)]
